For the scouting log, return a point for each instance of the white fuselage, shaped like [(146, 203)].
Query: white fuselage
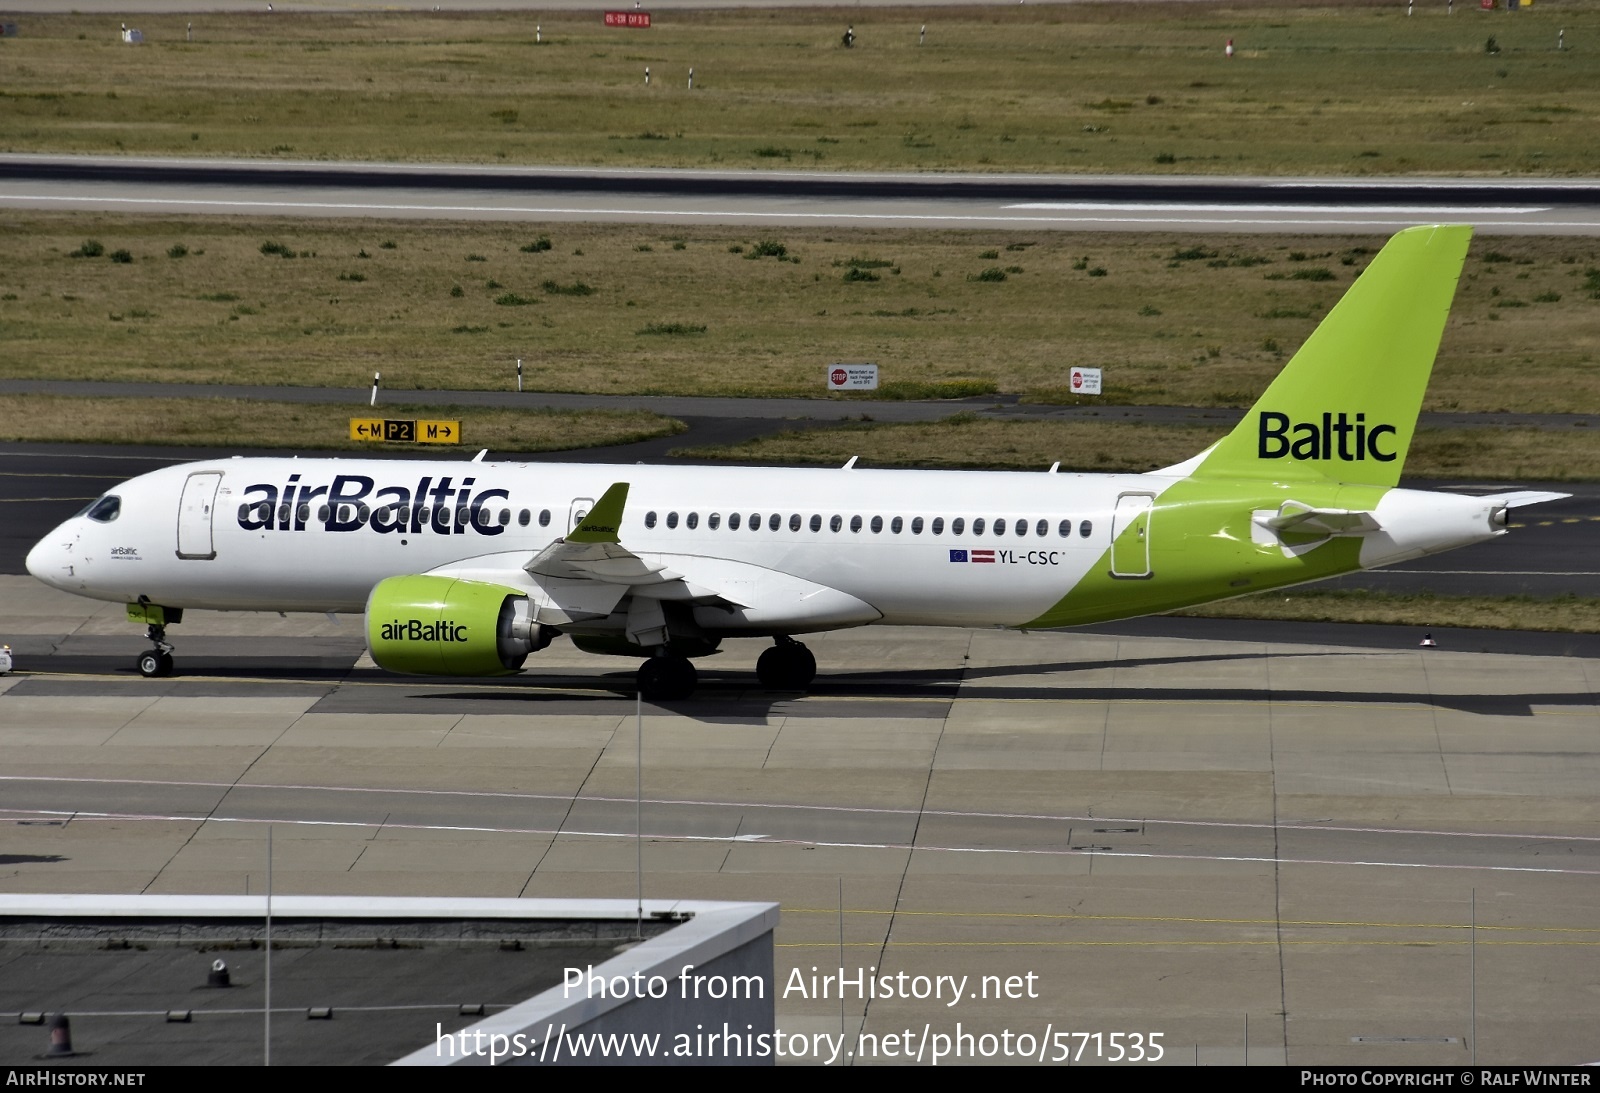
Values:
[(913, 547)]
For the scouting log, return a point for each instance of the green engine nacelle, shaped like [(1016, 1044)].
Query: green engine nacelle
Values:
[(443, 626)]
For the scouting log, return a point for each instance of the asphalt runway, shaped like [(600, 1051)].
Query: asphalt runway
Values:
[(199, 187), (1326, 834)]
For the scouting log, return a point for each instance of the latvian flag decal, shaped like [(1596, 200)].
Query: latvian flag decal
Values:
[(983, 555)]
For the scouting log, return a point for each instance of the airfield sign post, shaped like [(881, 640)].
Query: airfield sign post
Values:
[(405, 430), (846, 376)]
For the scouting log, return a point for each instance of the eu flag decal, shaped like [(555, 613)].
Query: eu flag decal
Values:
[(958, 555)]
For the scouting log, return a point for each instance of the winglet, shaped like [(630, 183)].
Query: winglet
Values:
[(604, 521)]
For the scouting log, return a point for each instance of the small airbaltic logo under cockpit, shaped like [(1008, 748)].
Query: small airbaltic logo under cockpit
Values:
[(1336, 438), (417, 630)]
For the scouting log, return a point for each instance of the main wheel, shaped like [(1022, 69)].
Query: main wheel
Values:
[(786, 667), (667, 678)]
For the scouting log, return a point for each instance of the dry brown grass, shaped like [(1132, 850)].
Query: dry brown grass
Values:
[(1167, 330), (969, 441)]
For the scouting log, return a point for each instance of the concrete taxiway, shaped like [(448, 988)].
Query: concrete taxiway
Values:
[(1130, 832)]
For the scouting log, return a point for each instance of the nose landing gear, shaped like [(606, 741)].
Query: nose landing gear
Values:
[(158, 661)]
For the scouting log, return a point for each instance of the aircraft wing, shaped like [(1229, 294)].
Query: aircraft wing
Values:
[(590, 575), (592, 551)]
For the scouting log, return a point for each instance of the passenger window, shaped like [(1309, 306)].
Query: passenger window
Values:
[(938, 525), (774, 522), (692, 521), (505, 517), (836, 523), (714, 521), (755, 521), (523, 517), (855, 523), (816, 522), (363, 513), (896, 524), (1065, 529), (957, 526), (544, 518), (1085, 529), (877, 524), (733, 521), (916, 526), (462, 514), (322, 513), (443, 517), (1000, 526), (650, 519), (1042, 528), (1022, 527), (672, 519), (794, 522), (109, 508)]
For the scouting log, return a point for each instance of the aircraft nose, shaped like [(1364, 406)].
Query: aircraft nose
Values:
[(49, 559)]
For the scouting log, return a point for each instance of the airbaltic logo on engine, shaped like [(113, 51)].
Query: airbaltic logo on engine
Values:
[(417, 630), (1337, 437), (353, 502)]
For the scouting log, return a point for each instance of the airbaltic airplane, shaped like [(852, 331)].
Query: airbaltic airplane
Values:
[(467, 568)]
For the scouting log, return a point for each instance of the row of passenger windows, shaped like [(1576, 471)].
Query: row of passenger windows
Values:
[(421, 514), (1000, 525)]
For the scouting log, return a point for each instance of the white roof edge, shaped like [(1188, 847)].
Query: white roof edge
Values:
[(708, 935), (51, 905)]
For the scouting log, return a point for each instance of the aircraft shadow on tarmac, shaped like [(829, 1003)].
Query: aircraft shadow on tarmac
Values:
[(720, 692)]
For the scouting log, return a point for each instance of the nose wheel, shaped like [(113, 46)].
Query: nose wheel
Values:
[(158, 661), (787, 666)]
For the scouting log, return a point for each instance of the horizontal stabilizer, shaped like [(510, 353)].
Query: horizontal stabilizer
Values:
[(1516, 499), (1294, 516)]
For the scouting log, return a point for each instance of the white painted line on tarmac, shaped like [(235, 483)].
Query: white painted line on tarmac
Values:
[(566, 798), (472, 829)]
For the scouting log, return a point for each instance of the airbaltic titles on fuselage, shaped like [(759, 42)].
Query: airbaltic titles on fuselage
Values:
[(436, 506)]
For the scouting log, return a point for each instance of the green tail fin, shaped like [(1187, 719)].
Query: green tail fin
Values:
[(1345, 407)]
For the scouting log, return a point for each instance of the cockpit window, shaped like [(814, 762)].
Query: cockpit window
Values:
[(105, 510)]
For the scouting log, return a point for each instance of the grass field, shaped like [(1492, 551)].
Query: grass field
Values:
[(965, 441), (232, 423), (1352, 88), (1172, 318)]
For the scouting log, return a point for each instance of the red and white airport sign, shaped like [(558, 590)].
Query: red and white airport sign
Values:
[(628, 19), (1086, 381), (852, 377)]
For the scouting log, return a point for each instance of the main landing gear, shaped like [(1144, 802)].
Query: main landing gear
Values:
[(158, 661), (667, 677), (787, 666)]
